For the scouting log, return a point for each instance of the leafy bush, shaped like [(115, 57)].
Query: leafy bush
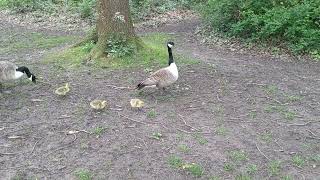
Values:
[(293, 23), (119, 46)]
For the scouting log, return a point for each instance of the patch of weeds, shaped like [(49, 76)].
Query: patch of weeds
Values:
[(243, 177), (201, 140), (98, 131), (175, 162), (315, 158), (156, 135), (274, 167), (183, 148), (292, 98), (298, 160), (253, 114), (287, 177), (151, 114), (228, 167), (222, 131), (289, 115), (194, 169), (238, 155), (266, 137), (252, 169), (214, 178), (271, 89), (88, 47), (83, 174)]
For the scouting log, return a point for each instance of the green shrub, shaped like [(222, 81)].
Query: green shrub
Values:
[(119, 46), (293, 23)]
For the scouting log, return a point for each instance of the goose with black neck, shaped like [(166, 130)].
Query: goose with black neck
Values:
[(163, 77), (9, 71)]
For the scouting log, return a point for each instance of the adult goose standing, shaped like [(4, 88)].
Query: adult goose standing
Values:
[(9, 71), (163, 77)]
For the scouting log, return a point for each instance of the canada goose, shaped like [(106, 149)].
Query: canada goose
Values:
[(9, 71), (163, 77)]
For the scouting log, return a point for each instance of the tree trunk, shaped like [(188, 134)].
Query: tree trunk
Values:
[(113, 18)]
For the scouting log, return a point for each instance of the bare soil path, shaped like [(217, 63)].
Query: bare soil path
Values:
[(235, 115)]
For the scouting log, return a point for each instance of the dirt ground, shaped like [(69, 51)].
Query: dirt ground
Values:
[(237, 116)]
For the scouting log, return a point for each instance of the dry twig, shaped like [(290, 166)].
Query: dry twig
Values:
[(262, 152), (132, 119)]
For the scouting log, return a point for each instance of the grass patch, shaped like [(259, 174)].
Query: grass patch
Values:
[(183, 148), (83, 174), (151, 114), (214, 178), (266, 137), (175, 162), (292, 98), (252, 169), (201, 140), (98, 131), (228, 167), (238, 155), (222, 131), (274, 167), (19, 42), (243, 177), (153, 54), (298, 160), (194, 169), (270, 89), (287, 177), (283, 110)]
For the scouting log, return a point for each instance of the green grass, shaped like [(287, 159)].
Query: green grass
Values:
[(22, 42), (214, 178), (293, 98), (175, 161), (274, 167), (298, 160), (270, 89), (201, 140), (283, 110), (154, 53), (238, 155), (252, 169), (194, 169), (183, 148), (151, 114), (287, 177), (266, 137), (222, 131), (99, 130), (83, 174), (228, 167), (243, 177)]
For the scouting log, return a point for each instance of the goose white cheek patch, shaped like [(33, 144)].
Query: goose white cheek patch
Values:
[(30, 78), (170, 46)]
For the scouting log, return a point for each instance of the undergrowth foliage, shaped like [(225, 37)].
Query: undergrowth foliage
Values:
[(288, 23)]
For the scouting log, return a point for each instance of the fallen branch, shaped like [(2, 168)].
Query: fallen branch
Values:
[(262, 152), (34, 146), (185, 123), (304, 124), (8, 153)]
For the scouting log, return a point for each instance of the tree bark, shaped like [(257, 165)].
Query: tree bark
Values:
[(113, 18)]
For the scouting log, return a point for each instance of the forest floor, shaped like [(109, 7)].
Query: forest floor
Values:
[(234, 115)]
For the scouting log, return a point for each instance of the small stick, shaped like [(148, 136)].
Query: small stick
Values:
[(311, 132), (8, 153), (304, 124), (261, 152), (34, 146), (116, 87), (132, 119), (184, 121)]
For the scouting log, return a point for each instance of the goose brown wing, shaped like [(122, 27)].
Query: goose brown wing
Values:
[(7, 70)]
